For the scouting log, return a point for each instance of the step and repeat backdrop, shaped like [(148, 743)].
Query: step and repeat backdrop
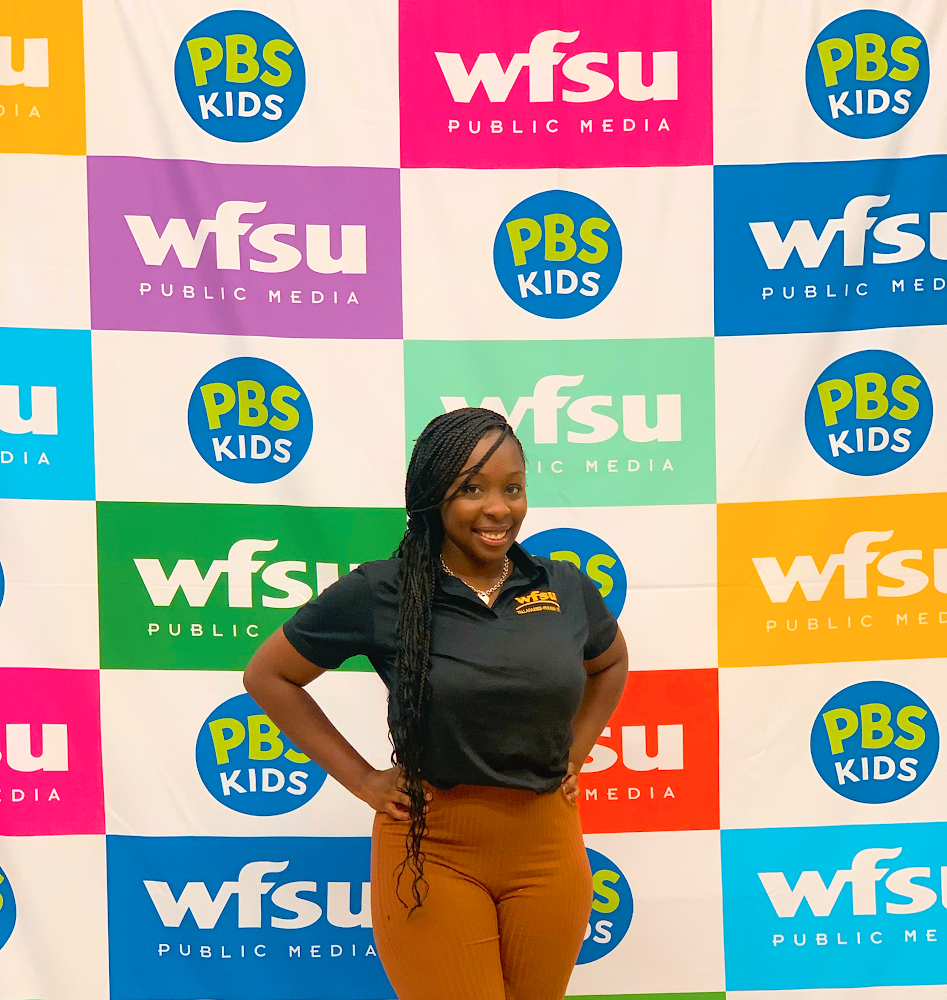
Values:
[(696, 252)]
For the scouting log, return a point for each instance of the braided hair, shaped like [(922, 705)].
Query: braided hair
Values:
[(439, 457)]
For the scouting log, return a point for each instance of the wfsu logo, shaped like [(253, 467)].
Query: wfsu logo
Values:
[(249, 766), (834, 907), (874, 742), (242, 916), (7, 909), (596, 558), (240, 75), (557, 254), (612, 909), (869, 413), (250, 420), (867, 73)]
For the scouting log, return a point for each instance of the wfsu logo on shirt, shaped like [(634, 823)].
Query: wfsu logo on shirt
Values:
[(282, 251), (240, 75), (42, 81), (613, 906), (834, 907), (577, 85), (557, 254), (850, 245), (597, 559), (195, 586), (46, 415), (249, 766), (869, 413), (821, 581), (250, 420), (874, 742), (603, 422), (7, 909), (242, 916), (867, 73), (655, 765)]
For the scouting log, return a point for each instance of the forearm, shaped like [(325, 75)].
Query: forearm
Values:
[(602, 694), (297, 715)]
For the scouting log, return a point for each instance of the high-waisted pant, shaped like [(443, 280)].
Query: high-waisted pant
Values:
[(508, 900)]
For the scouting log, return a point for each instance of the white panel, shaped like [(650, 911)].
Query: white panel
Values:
[(767, 777), (763, 452), (670, 557), (349, 114), (59, 946), (143, 383), (762, 112), (675, 941), (49, 614), (44, 254), (664, 216), (150, 725)]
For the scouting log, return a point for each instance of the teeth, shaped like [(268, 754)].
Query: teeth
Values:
[(496, 535)]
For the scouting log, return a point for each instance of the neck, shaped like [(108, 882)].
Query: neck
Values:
[(472, 569)]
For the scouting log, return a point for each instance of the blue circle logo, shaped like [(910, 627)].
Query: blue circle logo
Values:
[(597, 559), (874, 742), (869, 413), (240, 76), (612, 909), (249, 766), (3, 584), (557, 254), (867, 73), (250, 420), (7, 909)]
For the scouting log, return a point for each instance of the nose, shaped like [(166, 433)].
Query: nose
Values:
[(495, 505)]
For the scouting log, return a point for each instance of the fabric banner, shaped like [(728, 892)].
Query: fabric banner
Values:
[(694, 250)]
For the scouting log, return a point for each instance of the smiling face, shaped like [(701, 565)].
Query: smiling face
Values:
[(482, 521)]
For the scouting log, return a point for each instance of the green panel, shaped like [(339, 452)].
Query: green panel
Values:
[(246, 569), (603, 422)]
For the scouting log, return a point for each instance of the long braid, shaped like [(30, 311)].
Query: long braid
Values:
[(439, 457)]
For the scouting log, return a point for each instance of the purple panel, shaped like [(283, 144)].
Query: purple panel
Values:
[(195, 247)]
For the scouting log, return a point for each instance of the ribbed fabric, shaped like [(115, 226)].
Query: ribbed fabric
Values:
[(510, 892)]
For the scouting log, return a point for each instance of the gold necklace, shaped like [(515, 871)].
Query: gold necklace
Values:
[(484, 595)]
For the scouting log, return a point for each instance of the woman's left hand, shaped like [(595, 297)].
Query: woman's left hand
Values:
[(570, 785)]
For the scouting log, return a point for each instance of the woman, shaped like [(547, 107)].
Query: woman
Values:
[(502, 671)]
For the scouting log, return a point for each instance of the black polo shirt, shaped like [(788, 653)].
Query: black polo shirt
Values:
[(505, 681)]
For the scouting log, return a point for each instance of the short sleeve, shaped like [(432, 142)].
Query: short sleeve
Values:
[(602, 624), (337, 624)]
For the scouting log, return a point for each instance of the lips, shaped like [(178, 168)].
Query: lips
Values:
[(492, 536)]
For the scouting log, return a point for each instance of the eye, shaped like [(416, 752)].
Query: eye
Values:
[(514, 488), (471, 488)]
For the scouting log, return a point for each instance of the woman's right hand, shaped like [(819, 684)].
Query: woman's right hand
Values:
[(384, 792)]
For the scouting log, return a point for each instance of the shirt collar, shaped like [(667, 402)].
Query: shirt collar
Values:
[(526, 569)]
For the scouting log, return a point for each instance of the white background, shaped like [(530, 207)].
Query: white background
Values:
[(664, 216), (49, 616), (762, 112), (143, 449), (763, 452), (767, 778), (349, 113)]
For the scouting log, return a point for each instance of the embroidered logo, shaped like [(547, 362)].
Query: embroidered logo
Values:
[(537, 600)]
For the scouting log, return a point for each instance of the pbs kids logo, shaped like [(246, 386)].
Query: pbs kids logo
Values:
[(240, 76), (867, 73), (874, 742), (557, 254), (7, 909), (612, 909), (248, 766), (869, 413), (250, 420), (597, 559)]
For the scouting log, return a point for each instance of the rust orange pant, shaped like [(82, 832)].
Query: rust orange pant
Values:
[(510, 892)]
